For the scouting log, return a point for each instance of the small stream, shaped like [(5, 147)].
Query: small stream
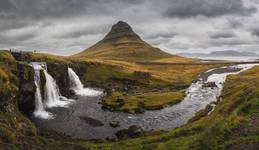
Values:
[(85, 119)]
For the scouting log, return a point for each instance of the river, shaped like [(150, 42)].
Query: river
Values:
[(85, 119)]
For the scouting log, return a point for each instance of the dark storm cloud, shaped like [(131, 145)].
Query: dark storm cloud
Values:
[(5, 5), (38, 9), (45, 8), (235, 23), (208, 8), (79, 32), (15, 36), (255, 32), (222, 35)]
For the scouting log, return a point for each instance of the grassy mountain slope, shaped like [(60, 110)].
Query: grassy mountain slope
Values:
[(122, 43)]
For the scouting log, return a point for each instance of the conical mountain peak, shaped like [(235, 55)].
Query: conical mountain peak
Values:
[(120, 30), (122, 43), (121, 26)]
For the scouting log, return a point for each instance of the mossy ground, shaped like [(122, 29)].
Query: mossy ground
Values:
[(137, 103)]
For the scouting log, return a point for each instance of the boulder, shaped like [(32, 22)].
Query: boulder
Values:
[(22, 56), (120, 101), (132, 131), (209, 85), (114, 124)]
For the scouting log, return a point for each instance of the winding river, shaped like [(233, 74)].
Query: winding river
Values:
[(85, 119)]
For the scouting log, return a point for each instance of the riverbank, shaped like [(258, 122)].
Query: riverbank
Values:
[(232, 125)]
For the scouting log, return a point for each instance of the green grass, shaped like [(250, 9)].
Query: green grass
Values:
[(48, 58), (135, 103), (101, 74)]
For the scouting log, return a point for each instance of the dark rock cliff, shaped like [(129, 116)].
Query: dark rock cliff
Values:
[(27, 88), (22, 56), (60, 73)]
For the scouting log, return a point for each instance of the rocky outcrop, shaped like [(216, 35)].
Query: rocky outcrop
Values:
[(60, 73), (121, 30), (27, 88), (22, 56), (114, 124), (209, 85)]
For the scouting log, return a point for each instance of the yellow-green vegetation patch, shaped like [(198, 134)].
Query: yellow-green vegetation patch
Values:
[(48, 58), (6, 87), (139, 102), (101, 74), (6, 56)]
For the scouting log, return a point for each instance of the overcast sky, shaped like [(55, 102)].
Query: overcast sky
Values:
[(70, 26)]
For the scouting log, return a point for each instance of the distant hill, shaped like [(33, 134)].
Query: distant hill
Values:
[(227, 53), (122, 43)]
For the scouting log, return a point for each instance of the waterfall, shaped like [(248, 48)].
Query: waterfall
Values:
[(39, 111), (52, 95), (77, 86), (75, 82)]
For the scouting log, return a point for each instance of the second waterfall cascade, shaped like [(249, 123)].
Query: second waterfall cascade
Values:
[(52, 95), (77, 86)]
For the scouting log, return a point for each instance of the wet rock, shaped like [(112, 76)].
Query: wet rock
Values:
[(114, 124), (132, 131), (120, 101), (72, 92), (209, 85), (107, 108), (140, 108), (59, 72), (91, 121)]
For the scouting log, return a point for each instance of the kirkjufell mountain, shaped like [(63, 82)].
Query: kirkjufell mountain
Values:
[(124, 44)]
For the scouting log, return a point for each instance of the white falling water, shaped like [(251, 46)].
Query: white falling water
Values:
[(52, 95), (39, 111), (77, 86), (75, 83)]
